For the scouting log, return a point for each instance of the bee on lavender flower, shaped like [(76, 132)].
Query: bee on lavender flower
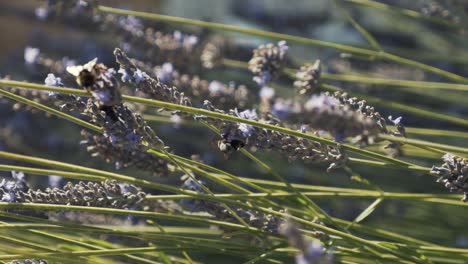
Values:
[(229, 144), (99, 80)]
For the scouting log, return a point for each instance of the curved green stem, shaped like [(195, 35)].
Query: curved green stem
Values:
[(296, 39), (49, 110), (199, 111), (402, 11), (402, 107), (423, 143), (386, 103), (394, 82), (447, 199), (372, 41)]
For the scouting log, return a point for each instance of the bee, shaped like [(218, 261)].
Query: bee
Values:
[(95, 78), (85, 74), (228, 145)]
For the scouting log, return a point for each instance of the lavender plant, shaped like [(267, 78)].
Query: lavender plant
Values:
[(332, 175)]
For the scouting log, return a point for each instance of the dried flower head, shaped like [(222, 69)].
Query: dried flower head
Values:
[(151, 87), (123, 155), (453, 174), (308, 78), (235, 136), (266, 222), (361, 106), (108, 194), (312, 251), (28, 261), (126, 135), (220, 94), (267, 61)]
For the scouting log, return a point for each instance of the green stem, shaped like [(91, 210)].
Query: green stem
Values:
[(370, 39), (386, 103), (423, 143), (401, 11), (394, 82), (108, 175), (191, 219), (179, 218), (402, 107), (45, 172), (435, 132), (296, 39), (433, 198), (49, 110), (198, 111)]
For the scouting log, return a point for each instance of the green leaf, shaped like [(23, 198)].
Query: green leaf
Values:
[(368, 210)]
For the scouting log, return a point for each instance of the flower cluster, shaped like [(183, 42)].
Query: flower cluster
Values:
[(9, 188), (198, 90), (159, 47), (126, 135), (453, 174), (266, 222), (308, 78), (152, 87), (267, 61), (105, 194), (363, 108), (326, 112), (34, 57), (216, 48), (28, 261), (76, 11), (121, 156), (108, 193), (434, 9), (237, 135), (312, 252)]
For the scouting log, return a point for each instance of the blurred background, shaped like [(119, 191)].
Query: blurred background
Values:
[(440, 45)]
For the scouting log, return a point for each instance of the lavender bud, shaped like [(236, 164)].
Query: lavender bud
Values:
[(254, 218), (308, 78), (312, 252), (28, 261), (267, 61), (31, 55), (453, 174)]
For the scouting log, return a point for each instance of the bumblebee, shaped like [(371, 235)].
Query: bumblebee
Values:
[(97, 80), (228, 145), (85, 74)]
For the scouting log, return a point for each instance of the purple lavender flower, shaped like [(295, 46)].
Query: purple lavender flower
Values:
[(103, 96), (246, 129), (138, 76), (164, 73), (281, 109), (267, 61), (41, 13), (51, 80), (267, 93), (453, 174), (216, 87), (31, 55), (126, 77)]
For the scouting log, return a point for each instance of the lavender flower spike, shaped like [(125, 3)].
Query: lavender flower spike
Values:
[(453, 174), (267, 61), (312, 252), (152, 87)]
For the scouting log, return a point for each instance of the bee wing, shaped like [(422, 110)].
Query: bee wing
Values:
[(75, 70), (89, 66)]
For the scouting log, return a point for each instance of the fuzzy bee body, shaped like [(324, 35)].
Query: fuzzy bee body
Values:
[(96, 79), (228, 145)]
